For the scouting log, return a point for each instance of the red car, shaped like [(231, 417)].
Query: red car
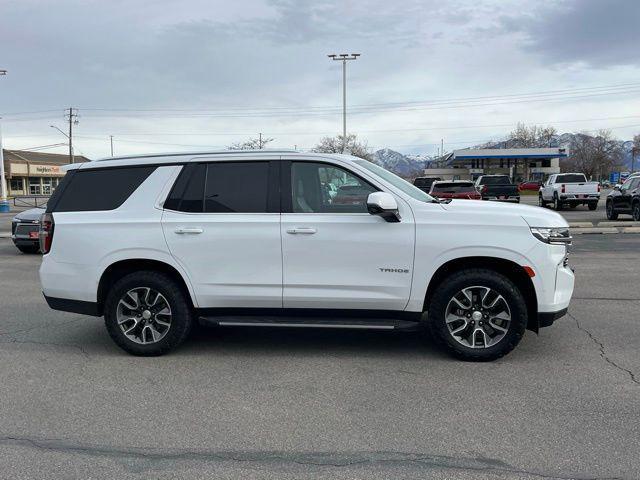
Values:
[(530, 185), (463, 189)]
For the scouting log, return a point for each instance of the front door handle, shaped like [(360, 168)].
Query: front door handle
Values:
[(183, 230), (301, 230)]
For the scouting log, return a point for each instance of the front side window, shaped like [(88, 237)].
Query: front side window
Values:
[(400, 183), (324, 188)]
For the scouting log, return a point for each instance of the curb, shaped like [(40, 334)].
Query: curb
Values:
[(584, 228), (5, 235)]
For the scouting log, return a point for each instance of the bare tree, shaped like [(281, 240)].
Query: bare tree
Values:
[(635, 151), (251, 144), (531, 136), (334, 145), (595, 156)]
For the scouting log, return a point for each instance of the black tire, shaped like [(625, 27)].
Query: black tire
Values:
[(573, 205), (635, 211), (611, 213), (477, 277), (30, 249), (541, 202), (593, 206), (181, 312), (557, 204)]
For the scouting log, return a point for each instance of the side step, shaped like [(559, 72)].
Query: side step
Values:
[(300, 322)]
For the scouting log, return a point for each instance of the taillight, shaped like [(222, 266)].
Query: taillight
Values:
[(563, 188), (46, 232), (484, 189), (598, 188)]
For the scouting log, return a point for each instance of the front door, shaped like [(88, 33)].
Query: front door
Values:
[(335, 254), (222, 225)]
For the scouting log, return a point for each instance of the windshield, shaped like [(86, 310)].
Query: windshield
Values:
[(396, 181), (501, 180)]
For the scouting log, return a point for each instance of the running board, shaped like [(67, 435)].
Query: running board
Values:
[(295, 322)]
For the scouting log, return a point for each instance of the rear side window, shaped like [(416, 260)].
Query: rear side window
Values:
[(240, 187), (99, 189), (222, 187)]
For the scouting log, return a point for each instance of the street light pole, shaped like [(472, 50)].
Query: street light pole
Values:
[(343, 57), (4, 204)]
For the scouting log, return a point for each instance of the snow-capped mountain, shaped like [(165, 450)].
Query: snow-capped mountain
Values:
[(396, 162)]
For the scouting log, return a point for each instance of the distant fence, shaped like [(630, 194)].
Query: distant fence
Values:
[(30, 200)]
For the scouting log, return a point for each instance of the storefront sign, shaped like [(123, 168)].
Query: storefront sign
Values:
[(35, 170)]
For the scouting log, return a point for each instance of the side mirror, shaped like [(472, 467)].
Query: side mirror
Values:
[(617, 186), (384, 205)]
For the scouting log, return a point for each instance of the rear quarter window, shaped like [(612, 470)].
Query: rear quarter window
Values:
[(98, 189)]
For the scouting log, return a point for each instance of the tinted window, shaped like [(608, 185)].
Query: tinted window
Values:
[(187, 194), (453, 187), (498, 180), (571, 178), (323, 188), (240, 187), (100, 189)]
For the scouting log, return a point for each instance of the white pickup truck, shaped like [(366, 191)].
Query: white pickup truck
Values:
[(571, 189)]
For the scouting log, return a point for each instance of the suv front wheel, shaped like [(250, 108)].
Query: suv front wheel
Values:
[(477, 315), (146, 313)]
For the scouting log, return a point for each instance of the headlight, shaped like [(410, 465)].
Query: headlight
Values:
[(554, 236)]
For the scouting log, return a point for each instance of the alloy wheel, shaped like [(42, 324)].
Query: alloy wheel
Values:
[(478, 317), (636, 212), (144, 315)]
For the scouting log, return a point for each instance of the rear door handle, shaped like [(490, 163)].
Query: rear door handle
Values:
[(301, 230), (183, 230)]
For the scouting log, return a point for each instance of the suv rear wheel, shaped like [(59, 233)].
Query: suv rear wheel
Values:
[(477, 315), (146, 313), (635, 211)]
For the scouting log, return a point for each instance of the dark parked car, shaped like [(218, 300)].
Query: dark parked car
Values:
[(625, 199), (24, 229), (424, 183), (533, 185), (455, 189), (498, 187)]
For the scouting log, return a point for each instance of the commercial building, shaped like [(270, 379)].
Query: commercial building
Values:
[(34, 173), (518, 163)]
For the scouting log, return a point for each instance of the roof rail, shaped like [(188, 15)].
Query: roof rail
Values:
[(202, 152)]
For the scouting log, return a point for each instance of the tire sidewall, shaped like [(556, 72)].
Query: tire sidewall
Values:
[(181, 315), (478, 277), (635, 211)]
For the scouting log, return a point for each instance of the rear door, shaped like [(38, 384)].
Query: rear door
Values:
[(221, 222), (335, 254)]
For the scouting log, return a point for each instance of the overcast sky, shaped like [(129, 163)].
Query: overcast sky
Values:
[(163, 75)]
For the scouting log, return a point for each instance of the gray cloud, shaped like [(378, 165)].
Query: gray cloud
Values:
[(596, 32)]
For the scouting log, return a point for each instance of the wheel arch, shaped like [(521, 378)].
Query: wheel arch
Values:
[(119, 269), (514, 272)]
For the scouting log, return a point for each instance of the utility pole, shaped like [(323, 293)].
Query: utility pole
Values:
[(73, 120), (260, 140), (4, 203), (442, 145), (343, 57), (111, 140), (634, 151)]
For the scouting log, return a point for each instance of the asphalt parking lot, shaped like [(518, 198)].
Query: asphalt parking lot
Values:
[(255, 403)]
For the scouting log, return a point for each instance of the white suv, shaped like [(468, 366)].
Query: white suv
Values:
[(278, 238)]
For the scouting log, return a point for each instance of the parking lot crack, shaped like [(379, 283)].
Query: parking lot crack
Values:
[(603, 353), (140, 459)]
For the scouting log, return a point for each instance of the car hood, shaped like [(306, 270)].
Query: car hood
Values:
[(534, 216), (29, 215)]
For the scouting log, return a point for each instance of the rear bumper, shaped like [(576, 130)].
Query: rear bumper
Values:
[(73, 306)]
